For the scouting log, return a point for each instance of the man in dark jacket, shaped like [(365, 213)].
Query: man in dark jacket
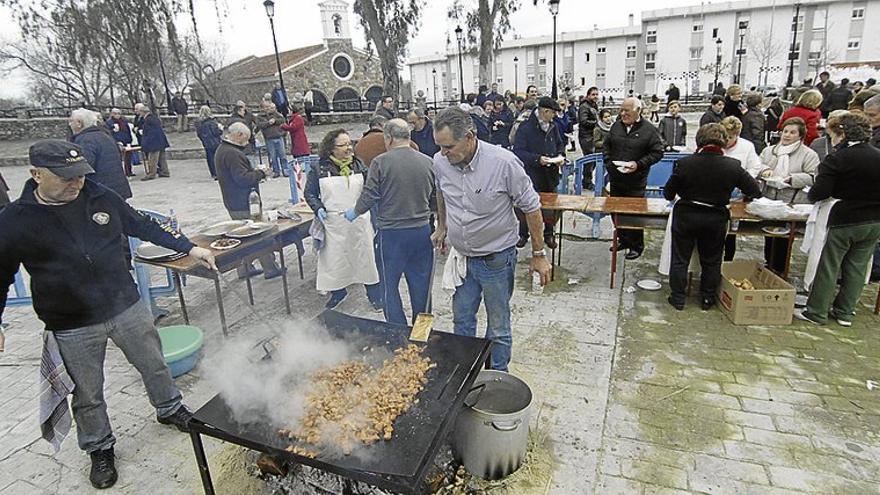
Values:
[(237, 179), (153, 142), (4, 193), (279, 99), (387, 108), (715, 113), (825, 86), (673, 93), (838, 98), (269, 123), (100, 150), (180, 108), (67, 232), (636, 145), (754, 122), (119, 127), (422, 132), (588, 118), (541, 149), (719, 90), (241, 114)]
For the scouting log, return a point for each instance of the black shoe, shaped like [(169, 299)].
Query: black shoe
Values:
[(590, 186), (275, 274), (550, 241), (335, 299), (521, 243), (103, 473), (706, 303), (252, 272), (180, 418), (276, 175), (678, 306), (632, 254), (620, 247)]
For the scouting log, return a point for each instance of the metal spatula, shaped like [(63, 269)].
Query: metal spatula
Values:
[(421, 329)]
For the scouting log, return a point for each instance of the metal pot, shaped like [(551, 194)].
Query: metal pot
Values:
[(491, 434)]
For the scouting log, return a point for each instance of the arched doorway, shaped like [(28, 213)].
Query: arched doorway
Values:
[(374, 95), (319, 100), (346, 100)]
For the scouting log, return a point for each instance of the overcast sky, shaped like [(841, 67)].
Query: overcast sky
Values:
[(244, 29)]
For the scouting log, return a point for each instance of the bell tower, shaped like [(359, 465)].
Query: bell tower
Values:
[(334, 19)]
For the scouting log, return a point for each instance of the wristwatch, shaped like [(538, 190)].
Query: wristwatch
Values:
[(539, 253)]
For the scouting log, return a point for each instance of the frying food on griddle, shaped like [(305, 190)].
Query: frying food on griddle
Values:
[(352, 403)]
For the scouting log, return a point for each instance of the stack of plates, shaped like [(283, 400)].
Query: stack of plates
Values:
[(150, 251), (222, 228)]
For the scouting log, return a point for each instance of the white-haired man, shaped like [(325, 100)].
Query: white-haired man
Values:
[(635, 142), (100, 150), (400, 185), (121, 131)]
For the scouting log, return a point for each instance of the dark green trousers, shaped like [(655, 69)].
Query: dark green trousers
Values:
[(846, 253)]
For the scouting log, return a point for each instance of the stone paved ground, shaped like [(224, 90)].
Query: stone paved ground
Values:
[(630, 396)]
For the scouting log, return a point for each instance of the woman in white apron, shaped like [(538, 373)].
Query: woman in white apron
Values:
[(346, 255)]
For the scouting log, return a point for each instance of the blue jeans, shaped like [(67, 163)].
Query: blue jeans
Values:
[(374, 292), (277, 154), (408, 253), (83, 350), (489, 277)]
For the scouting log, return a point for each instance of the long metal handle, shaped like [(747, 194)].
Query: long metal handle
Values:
[(430, 305)]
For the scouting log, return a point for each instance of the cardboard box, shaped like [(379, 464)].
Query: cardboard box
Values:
[(770, 303)]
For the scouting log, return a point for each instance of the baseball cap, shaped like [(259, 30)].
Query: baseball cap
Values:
[(64, 159), (547, 102)]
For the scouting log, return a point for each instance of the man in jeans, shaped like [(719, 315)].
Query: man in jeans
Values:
[(269, 122), (478, 185), (399, 189), (67, 232)]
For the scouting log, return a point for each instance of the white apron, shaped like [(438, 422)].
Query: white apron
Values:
[(347, 255), (666, 249)]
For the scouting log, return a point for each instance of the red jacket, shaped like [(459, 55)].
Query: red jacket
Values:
[(811, 117), (296, 126)]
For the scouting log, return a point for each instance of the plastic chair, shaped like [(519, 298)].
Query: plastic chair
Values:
[(142, 273), (306, 163)]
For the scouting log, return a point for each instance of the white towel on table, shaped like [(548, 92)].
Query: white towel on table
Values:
[(455, 270), (55, 386)]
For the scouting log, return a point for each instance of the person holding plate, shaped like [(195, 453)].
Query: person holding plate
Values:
[(788, 168), (541, 148)]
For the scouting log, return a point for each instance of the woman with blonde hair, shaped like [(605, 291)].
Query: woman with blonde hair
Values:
[(734, 106), (209, 133), (807, 109), (743, 151)]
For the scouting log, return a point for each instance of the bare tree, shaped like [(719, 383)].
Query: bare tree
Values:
[(389, 24), (765, 50)]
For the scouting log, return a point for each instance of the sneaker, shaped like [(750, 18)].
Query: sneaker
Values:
[(620, 247), (676, 305), (180, 419), (843, 323), (103, 473), (521, 243), (801, 314), (147, 177), (335, 299)]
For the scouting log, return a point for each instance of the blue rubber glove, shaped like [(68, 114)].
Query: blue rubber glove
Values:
[(322, 214), (350, 215)]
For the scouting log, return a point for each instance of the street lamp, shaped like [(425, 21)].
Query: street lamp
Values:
[(270, 12), (743, 25), (515, 75), (791, 53), (554, 9), (459, 36), (717, 62), (434, 76)]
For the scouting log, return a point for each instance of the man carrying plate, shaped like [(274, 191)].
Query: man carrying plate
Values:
[(540, 147), (67, 232)]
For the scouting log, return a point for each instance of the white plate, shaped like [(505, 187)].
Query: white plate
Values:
[(233, 243), (150, 251), (250, 230), (649, 284), (222, 228)]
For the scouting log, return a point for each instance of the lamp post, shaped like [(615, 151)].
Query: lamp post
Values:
[(459, 36), (717, 62), (791, 52), (743, 25), (434, 76), (515, 75), (270, 12), (554, 9)]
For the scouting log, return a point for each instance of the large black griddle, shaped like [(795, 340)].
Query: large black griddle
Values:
[(399, 464)]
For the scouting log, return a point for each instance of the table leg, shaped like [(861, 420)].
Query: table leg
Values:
[(202, 462), (877, 304), (220, 305), (284, 278), (179, 285), (561, 223), (299, 256), (250, 287), (788, 250), (613, 248)]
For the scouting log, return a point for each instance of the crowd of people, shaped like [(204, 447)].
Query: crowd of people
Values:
[(464, 182)]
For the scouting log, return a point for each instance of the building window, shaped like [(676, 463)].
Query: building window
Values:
[(698, 27), (697, 53), (342, 66), (542, 78), (499, 80), (714, 33), (796, 54), (630, 51), (650, 61), (853, 44), (583, 81), (587, 57), (798, 23), (530, 57), (530, 78), (651, 36), (568, 50), (858, 13), (600, 49), (542, 61), (600, 74), (630, 76)]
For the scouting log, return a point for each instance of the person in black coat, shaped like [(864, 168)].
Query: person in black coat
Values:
[(703, 182), (100, 150), (636, 143), (209, 134), (733, 104), (501, 119), (838, 98), (754, 122), (537, 143), (673, 93), (4, 193), (121, 130)]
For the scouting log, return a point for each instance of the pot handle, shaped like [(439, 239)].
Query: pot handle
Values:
[(505, 425), (481, 387)]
